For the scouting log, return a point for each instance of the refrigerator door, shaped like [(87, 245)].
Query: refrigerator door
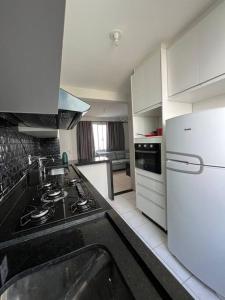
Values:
[(196, 220), (201, 134)]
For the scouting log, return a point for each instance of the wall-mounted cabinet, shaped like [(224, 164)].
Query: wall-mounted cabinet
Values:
[(31, 46), (146, 83), (196, 61), (211, 32), (182, 58)]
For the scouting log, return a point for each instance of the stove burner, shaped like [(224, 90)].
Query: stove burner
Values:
[(74, 181), (82, 202), (47, 185), (82, 205), (54, 193), (54, 196), (37, 215)]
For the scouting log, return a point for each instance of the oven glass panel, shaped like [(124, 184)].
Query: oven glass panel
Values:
[(148, 157)]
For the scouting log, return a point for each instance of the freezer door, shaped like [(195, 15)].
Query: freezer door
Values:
[(201, 134), (196, 220)]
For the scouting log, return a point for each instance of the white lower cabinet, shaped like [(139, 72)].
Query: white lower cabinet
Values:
[(151, 199)]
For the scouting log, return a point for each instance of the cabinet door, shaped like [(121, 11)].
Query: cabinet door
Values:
[(137, 90), (147, 83), (31, 46), (183, 63), (153, 79), (212, 44)]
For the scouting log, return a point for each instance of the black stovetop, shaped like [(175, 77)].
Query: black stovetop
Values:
[(61, 210)]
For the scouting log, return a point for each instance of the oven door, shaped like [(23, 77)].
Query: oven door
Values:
[(148, 157)]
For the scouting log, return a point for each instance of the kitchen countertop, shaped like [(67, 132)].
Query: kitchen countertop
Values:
[(8, 235), (143, 272), (29, 254), (94, 160)]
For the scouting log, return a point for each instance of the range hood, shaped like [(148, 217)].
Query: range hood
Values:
[(70, 111)]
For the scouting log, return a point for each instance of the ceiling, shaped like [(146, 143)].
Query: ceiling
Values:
[(107, 109), (89, 59)]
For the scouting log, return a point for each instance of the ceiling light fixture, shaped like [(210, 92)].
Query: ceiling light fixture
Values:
[(116, 36)]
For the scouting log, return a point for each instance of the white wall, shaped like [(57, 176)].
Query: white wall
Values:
[(68, 142), (215, 102)]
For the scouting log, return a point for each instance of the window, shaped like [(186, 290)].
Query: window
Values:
[(100, 140)]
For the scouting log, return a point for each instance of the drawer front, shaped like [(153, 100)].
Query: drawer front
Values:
[(153, 211), (151, 175), (150, 195), (152, 184)]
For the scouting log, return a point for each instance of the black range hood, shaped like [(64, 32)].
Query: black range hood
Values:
[(70, 111)]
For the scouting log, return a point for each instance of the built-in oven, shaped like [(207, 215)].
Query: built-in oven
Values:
[(148, 157)]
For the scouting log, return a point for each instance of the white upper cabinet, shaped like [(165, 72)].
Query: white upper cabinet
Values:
[(31, 46), (212, 44), (138, 90), (183, 65), (196, 61), (146, 83)]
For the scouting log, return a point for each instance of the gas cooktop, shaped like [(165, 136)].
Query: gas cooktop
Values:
[(54, 202)]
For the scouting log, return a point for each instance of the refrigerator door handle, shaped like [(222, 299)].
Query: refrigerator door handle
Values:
[(200, 162)]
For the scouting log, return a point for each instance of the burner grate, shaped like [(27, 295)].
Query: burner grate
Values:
[(54, 196), (82, 205), (37, 214)]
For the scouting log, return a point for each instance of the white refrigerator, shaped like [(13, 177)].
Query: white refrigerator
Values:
[(195, 152)]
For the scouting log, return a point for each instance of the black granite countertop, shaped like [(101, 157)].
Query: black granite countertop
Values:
[(94, 160), (145, 275), (29, 254)]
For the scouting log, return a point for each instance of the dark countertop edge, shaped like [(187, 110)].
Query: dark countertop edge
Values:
[(93, 161), (159, 271)]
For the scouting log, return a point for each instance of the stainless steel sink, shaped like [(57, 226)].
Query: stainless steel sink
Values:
[(90, 274)]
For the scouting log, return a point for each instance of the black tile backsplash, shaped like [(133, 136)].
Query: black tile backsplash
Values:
[(49, 146), (14, 150)]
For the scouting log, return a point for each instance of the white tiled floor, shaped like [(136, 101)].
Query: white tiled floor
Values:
[(156, 240)]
